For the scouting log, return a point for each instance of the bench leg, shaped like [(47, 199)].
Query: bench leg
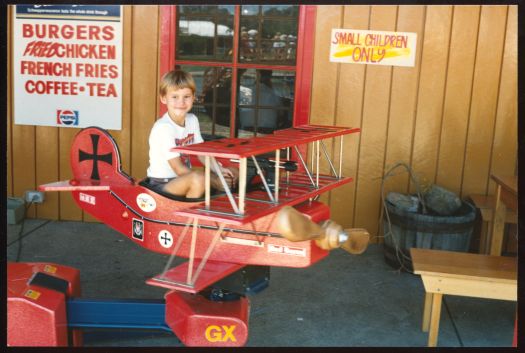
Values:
[(426, 311), (434, 319), (498, 225), (484, 236)]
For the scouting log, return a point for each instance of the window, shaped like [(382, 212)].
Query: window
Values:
[(246, 63)]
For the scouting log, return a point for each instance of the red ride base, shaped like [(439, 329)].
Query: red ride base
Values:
[(198, 321), (36, 315)]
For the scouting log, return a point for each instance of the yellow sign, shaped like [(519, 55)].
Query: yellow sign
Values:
[(50, 269), (373, 47), (33, 294), (222, 333)]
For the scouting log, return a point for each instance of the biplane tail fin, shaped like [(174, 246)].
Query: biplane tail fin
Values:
[(95, 163), (95, 157)]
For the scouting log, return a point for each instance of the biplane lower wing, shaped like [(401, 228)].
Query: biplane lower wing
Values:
[(257, 203), (176, 278)]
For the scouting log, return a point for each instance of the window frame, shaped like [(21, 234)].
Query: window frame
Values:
[(303, 68)]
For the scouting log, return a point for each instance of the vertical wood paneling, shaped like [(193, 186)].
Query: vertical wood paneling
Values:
[(24, 161), (23, 140), (457, 97), (504, 150), (374, 124), (402, 107), (68, 207), (46, 159), (484, 99), (324, 74), (403, 102), (144, 96), (427, 111), (348, 113), (431, 91)]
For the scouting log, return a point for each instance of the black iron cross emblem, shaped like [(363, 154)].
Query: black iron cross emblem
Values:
[(82, 156)]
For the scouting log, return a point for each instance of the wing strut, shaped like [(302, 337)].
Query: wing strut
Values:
[(176, 249), (192, 250), (259, 171), (225, 185), (328, 159), (191, 277), (206, 255), (276, 182), (304, 165), (341, 156)]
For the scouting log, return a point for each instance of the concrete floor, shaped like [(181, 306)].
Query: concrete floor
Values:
[(344, 300)]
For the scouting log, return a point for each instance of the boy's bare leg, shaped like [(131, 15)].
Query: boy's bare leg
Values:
[(190, 185)]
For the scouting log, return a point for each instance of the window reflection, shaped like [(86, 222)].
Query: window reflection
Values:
[(204, 35), (206, 9), (249, 10), (265, 101), (212, 99), (280, 10), (268, 34)]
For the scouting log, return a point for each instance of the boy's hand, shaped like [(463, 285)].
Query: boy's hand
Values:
[(227, 172), (230, 176)]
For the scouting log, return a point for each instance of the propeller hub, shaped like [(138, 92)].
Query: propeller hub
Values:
[(343, 237), (328, 235)]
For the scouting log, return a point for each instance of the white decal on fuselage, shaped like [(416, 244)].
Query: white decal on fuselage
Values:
[(286, 250), (87, 198), (165, 239), (240, 241), (146, 202)]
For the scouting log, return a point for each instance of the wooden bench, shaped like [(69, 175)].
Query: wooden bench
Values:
[(464, 274), (485, 204)]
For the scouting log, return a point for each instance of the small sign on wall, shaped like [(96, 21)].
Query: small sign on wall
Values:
[(67, 65), (373, 47)]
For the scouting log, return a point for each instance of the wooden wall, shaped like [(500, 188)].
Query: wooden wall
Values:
[(452, 117)]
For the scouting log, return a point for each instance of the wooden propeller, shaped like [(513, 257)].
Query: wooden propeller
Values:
[(329, 235)]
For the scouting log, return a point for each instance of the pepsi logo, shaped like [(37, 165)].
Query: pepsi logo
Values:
[(67, 117)]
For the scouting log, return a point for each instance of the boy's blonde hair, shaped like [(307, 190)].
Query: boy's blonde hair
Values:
[(176, 79)]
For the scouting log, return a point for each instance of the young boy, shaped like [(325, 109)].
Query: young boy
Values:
[(169, 171)]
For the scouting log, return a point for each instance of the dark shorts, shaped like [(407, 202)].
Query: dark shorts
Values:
[(157, 184)]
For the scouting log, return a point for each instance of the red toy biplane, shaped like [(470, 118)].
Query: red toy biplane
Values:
[(271, 218)]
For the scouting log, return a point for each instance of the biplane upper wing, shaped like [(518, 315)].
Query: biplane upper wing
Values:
[(246, 147), (288, 190)]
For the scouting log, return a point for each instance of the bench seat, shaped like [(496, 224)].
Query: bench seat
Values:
[(463, 274)]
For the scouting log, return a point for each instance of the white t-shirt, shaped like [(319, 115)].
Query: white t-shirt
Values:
[(165, 135)]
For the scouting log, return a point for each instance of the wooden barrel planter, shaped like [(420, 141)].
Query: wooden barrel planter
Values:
[(429, 231)]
